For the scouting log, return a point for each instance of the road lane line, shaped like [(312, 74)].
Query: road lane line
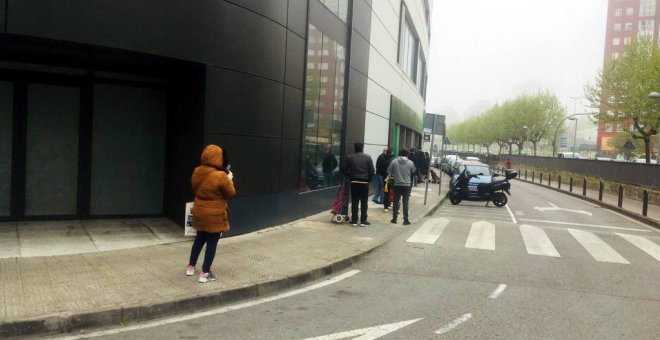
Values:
[(513, 218), (482, 236), (600, 250), (583, 225), (369, 333), (644, 244), (430, 231), (215, 311), (537, 242), (457, 322), (496, 293)]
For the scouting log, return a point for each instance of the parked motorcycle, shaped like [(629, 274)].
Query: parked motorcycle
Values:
[(463, 189)]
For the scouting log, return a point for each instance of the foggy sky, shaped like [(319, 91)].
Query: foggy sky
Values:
[(485, 51)]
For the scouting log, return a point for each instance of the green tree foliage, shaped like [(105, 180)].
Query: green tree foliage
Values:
[(525, 118), (621, 90)]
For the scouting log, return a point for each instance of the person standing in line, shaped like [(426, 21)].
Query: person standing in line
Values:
[(213, 185), (402, 169), (507, 164), (359, 168), (382, 162), (329, 164)]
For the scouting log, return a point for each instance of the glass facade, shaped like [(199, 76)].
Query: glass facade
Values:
[(411, 57), (6, 133), (323, 112), (338, 7), (51, 174)]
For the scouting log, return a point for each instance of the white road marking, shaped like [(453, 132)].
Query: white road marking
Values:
[(631, 219), (429, 232), (496, 293), (537, 242), (369, 333), (600, 250), (583, 225), (215, 311), (448, 327), (513, 218), (520, 213), (554, 207), (482, 236), (644, 244)]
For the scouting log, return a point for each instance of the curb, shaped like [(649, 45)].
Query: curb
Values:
[(653, 223), (62, 323)]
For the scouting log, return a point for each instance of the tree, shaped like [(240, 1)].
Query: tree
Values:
[(621, 90)]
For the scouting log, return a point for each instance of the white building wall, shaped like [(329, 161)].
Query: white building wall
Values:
[(385, 76)]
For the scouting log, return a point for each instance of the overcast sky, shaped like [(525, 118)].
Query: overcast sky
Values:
[(486, 51)]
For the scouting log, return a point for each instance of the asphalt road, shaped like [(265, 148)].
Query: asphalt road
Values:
[(548, 266)]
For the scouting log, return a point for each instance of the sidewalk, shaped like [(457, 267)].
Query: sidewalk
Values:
[(97, 287)]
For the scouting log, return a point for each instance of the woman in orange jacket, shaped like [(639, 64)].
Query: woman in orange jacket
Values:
[(213, 185)]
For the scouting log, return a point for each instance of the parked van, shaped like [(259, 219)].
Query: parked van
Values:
[(569, 155)]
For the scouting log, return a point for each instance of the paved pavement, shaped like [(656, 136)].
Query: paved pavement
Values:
[(69, 276)]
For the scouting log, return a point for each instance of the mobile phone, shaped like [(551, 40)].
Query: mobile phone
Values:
[(228, 167)]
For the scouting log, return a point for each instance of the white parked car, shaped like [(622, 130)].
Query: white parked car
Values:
[(569, 155), (643, 160)]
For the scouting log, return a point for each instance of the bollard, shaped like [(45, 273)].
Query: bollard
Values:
[(570, 185), (541, 177), (600, 191), (559, 182), (549, 179), (620, 196), (645, 203), (525, 174), (532, 176), (584, 187)]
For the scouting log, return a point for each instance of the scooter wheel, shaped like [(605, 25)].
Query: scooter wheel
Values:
[(499, 199), (337, 218), (453, 199)]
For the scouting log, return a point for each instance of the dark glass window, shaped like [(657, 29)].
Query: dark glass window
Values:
[(411, 58), (6, 118), (338, 7), (323, 112)]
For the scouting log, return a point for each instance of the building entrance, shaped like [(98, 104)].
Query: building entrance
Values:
[(78, 147)]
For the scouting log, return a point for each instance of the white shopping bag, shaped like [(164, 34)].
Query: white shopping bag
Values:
[(188, 229)]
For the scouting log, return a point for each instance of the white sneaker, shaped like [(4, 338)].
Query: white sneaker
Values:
[(190, 271), (386, 210), (206, 277)]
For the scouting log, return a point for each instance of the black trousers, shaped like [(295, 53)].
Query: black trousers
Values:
[(359, 195), (399, 193), (211, 241)]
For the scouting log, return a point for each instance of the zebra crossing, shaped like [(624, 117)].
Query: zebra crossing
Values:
[(482, 235)]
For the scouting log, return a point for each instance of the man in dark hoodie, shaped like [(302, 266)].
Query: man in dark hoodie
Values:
[(402, 169), (359, 168), (382, 163)]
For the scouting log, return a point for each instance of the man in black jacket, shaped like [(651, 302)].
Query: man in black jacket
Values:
[(382, 163), (359, 168)]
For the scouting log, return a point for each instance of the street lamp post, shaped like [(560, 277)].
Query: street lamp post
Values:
[(569, 117), (574, 135)]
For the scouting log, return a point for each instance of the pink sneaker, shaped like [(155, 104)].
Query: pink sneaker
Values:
[(206, 277), (190, 271)]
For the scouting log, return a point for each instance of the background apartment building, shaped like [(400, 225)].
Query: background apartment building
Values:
[(626, 19), (105, 106)]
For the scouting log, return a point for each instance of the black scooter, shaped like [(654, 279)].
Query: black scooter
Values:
[(493, 191)]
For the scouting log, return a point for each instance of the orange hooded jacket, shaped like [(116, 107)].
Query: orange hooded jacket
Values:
[(212, 188)]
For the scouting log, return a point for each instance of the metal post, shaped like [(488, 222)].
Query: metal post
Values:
[(645, 203), (584, 187), (428, 172), (541, 178), (600, 191), (559, 181), (570, 185), (532, 176), (525, 174), (620, 196), (549, 179)]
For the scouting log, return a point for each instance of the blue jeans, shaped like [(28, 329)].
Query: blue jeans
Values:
[(379, 195), (211, 240)]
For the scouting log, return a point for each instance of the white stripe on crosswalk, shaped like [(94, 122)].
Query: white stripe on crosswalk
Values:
[(482, 236), (644, 244), (537, 242), (429, 232), (600, 250)]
